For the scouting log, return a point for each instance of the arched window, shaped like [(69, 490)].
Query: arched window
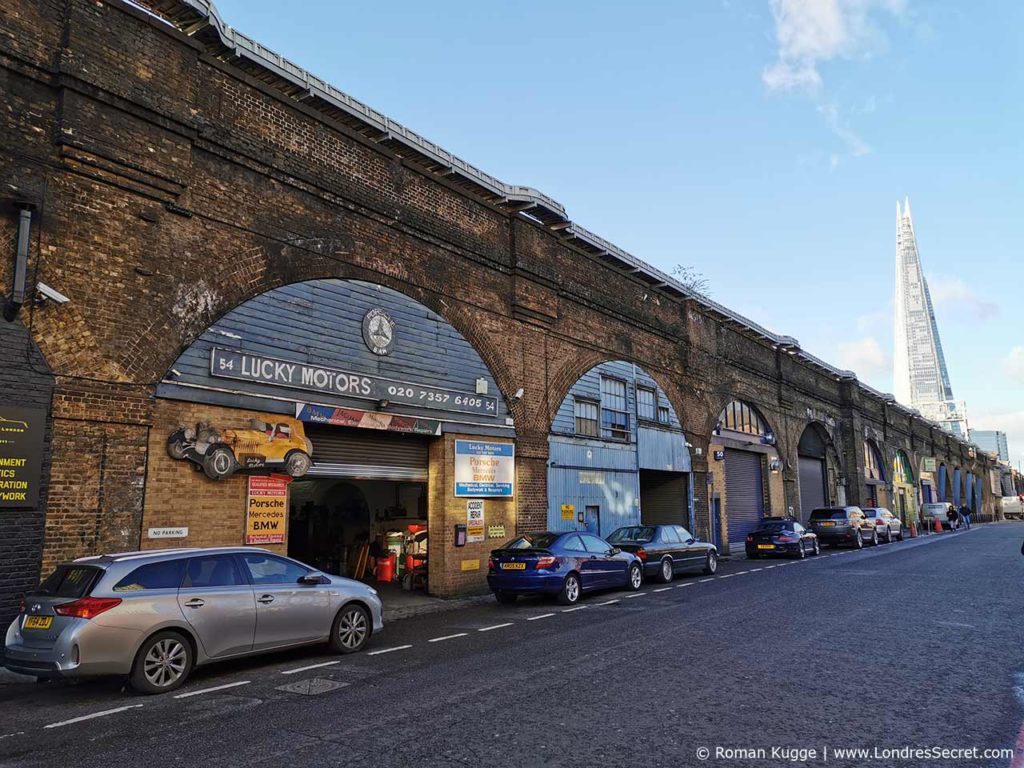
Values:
[(741, 417), (901, 471), (873, 462)]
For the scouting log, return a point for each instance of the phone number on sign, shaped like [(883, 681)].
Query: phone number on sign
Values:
[(433, 396)]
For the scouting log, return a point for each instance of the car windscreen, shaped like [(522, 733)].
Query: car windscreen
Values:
[(774, 527), (828, 514), (638, 534), (69, 581), (532, 541)]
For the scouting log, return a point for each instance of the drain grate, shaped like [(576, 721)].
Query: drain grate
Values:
[(312, 687)]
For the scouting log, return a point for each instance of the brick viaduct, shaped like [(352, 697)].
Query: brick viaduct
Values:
[(178, 169)]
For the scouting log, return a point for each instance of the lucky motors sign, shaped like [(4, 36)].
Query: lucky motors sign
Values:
[(21, 456), (245, 366), (484, 468)]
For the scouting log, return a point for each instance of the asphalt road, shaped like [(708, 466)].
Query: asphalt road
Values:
[(909, 645)]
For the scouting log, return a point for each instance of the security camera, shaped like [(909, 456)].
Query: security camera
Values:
[(44, 292), (518, 394)]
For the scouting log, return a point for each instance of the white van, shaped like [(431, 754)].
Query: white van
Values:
[(935, 511), (1011, 507)]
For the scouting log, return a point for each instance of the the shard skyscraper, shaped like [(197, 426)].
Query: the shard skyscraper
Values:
[(920, 375)]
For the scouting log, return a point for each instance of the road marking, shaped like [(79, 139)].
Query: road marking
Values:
[(753, 570), (663, 589), (542, 616), (701, 581), (740, 573), (496, 626), (577, 608), (446, 637), (727, 576), (311, 666), (687, 584), (389, 650), (607, 602), (211, 690), (768, 567), (104, 713), (638, 594)]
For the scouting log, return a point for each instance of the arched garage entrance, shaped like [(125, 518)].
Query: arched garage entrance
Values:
[(398, 418), (818, 465), (903, 488), (617, 455), (876, 494)]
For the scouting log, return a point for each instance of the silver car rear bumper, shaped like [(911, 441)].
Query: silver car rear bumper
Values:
[(83, 649)]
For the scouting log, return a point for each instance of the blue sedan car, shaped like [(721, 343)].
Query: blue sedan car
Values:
[(562, 564)]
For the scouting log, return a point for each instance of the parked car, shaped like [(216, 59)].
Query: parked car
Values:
[(561, 564), (887, 525), (937, 510), (842, 525), (665, 550), (1011, 507), (156, 615), (781, 536)]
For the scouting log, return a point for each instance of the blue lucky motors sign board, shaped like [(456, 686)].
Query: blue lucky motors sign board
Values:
[(484, 469)]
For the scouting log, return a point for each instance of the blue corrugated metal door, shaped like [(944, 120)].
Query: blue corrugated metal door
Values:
[(969, 498), (744, 492), (956, 486), (942, 483)]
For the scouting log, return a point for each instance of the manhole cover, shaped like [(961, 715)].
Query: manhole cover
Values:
[(312, 687)]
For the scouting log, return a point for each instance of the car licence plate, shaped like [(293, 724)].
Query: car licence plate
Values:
[(513, 566), (38, 622), (827, 524), (766, 546)]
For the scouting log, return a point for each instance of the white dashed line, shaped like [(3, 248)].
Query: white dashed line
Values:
[(577, 608), (542, 616), (663, 589), (687, 584), (211, 690), (104, 713), (701, 581), (753, 570), (496, 626), (637, 594), (768, 567), (446, 637), (311, 666), (740, 573), (607, 602), (727, 576), (389, 650)]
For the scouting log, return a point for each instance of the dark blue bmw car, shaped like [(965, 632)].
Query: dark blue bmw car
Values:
[(562, 564)]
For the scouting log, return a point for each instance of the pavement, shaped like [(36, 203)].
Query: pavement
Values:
[(906, 646)]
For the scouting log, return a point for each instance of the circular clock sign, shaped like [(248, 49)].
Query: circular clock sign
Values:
[(379, 331)]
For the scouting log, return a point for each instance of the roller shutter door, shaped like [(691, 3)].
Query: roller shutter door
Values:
[(663, 498), (367, 454), (744, 489), (812, 485)]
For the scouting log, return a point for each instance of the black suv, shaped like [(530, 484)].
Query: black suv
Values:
[(843, 525)]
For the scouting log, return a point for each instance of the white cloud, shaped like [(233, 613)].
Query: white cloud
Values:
[(865, 357), (1013, 365), (954, 293), (809, 32)]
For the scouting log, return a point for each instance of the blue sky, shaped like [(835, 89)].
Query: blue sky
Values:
[(762, 142)]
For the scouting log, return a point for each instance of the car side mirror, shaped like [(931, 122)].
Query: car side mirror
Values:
[(614, 551), (693, 540), (312, 579)]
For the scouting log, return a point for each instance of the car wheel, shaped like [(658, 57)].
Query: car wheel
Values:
[(218, 462), (570, 593), (297, 463), (817, 548), (351, 630), (899, 536), (177, 445), (666, 572), (802, 553), (505, 598), (874, 539), (162, 664), (711, 565), (858, 541), (636, 577)]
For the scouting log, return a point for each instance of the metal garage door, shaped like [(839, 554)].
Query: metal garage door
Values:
[(664, 498), (812, 485), (744, 492), (367, 454)]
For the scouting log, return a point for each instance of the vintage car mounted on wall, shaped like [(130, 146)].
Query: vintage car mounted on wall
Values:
[(281, 444)]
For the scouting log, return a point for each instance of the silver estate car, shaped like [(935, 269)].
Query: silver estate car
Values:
[(155, 615)]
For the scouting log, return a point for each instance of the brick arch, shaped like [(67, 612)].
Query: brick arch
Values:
[(720, 403), (831, 450), (151, 355), (585, 361)]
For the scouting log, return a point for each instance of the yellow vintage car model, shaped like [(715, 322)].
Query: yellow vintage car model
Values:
[(281, 444)]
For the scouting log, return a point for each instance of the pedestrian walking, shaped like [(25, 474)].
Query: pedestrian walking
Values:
[(951, 517), (965, 516)]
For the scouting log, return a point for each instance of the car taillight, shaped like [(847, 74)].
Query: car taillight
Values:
[(879, 522), (642, 554), (750, 539), (490, 564), (21, 606), (546, 561), (87, 607)]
